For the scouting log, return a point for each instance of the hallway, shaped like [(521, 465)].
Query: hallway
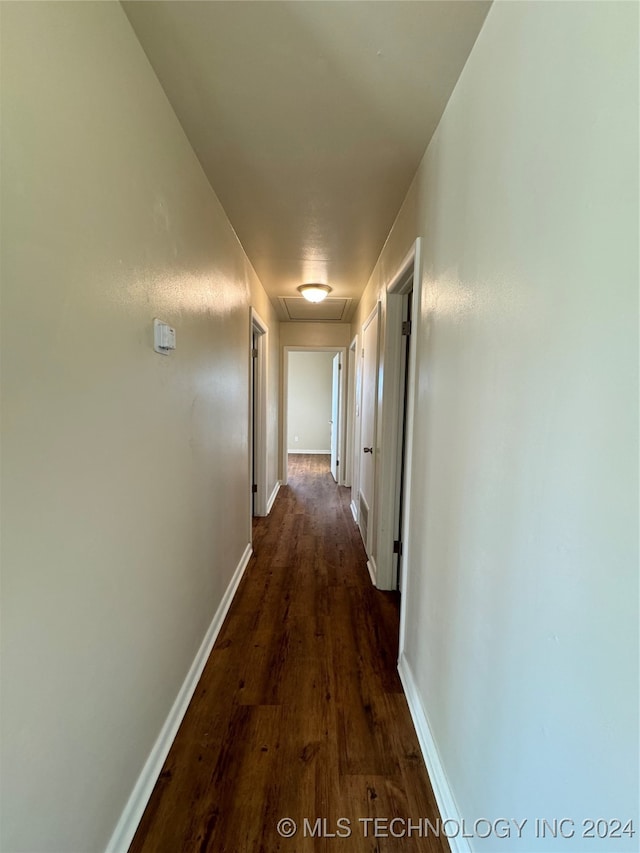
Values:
[(300, 712), (457, 183)]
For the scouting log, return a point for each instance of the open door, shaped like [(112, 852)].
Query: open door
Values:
[(258, 416), (368, 434), (335, 416), (395, 430), (254, 383), (401, 465)]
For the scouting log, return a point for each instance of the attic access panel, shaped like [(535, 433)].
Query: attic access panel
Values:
[(300, 310)]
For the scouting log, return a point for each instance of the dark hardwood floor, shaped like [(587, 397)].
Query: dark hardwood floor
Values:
[(300, 712)]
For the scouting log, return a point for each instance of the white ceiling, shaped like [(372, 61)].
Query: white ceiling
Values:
[(309, 118)]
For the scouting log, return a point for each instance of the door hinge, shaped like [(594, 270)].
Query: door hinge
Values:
[(254, 353), (337, 462), (254, 488), (397, 547), (339, 367), (362, 355), (406, 327)]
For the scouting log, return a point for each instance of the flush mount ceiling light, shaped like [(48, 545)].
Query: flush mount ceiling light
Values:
[(315, 292)]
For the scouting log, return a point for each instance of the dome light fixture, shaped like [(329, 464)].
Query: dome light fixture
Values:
[(315, 292)]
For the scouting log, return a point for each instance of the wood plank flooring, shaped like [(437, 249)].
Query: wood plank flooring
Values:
[(300, 712)]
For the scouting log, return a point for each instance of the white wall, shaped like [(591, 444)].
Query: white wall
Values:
[(309, 390), (125, 492), (522, 596), (315, 334), (306, 335)]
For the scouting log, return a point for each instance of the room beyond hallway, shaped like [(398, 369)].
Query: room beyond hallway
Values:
[(300, 712)]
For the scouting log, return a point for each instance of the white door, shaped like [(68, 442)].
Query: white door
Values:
[(368, 426), (356, 447), (335, 416)]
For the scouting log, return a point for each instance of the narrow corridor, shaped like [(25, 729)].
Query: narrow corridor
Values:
[(300, 713)]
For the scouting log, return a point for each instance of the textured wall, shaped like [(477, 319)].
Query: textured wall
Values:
[(522, 595), (125, 473), (309, 389)]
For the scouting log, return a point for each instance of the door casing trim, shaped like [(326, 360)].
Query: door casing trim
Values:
[(405, 280), (259, 425), (285, 406)]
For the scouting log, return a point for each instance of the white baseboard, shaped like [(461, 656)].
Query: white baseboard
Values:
[(273, 496), (137, 802), (354, 511), (372, 570), (297, 452), (442, 790)]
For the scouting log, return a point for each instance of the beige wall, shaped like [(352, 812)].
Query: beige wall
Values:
[(309, 393), (315, 334), (308, 335), (522, 595), (125, 473)]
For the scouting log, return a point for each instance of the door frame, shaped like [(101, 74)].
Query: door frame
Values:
[(258, 416), (285, 407), (372, 524), (337, 402), (406, 279), (350, 408)]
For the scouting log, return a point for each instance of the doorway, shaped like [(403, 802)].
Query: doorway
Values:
[(313, 411), (258, 415), (334, 462), (401, 463), (352, 418), (383, 434), (367, 449), (403, 308)]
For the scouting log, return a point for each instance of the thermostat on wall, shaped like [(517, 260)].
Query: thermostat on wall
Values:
[(164, 337)]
